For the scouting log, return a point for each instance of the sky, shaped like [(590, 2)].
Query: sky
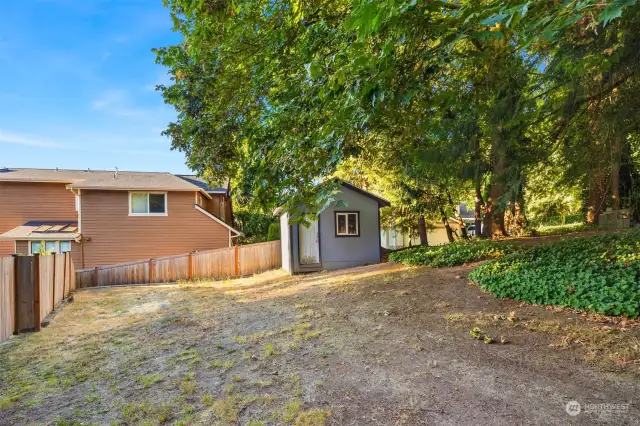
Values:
[(77, 85)]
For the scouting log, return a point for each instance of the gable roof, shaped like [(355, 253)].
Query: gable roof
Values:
[(381, 201), (110, 180), (201, 183)]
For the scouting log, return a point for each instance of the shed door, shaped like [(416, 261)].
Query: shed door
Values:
[(309, 244)]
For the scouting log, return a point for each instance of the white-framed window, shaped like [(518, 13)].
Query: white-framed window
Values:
[(52, 246), (347, 224), (148, 204)]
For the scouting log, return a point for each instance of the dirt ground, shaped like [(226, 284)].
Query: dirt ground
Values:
[(376, 345)]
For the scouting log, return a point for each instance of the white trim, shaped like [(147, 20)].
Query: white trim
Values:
[(166, 203), (203, 211), (346, 223), (79, 211)]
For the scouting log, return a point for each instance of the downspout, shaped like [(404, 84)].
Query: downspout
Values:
[(79, 238)]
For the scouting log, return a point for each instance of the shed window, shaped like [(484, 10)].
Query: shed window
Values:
[(147, 204), (348, 224)]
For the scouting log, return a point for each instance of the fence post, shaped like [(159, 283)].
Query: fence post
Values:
[(53, 284), (36, 302), (237, 251), (190, 266), (16, 315), (64, 275), (96, 276), (150, 271)]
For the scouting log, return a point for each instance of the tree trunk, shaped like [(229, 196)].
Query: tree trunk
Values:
[(597, 195), (422, 230), (479, 208), (615, 173), (447, 227)]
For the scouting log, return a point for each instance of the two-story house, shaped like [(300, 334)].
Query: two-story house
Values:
[(107, 217)]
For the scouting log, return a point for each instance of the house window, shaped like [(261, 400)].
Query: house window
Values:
[(51, 246), (347, 224), (147, 204)]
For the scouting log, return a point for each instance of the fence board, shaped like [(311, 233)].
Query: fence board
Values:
[(170, 269), (7, 297), (214, 264), (59, 278), (25, 292), (47, 284), (260, 257)]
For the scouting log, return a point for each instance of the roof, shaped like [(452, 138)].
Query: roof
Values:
[(381, 201), (43, 230), (201, 183), (109, 180)]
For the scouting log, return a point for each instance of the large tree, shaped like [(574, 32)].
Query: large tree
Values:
[(450, 95)]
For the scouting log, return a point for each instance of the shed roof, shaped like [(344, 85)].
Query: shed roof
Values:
[(381, 201), (43, 230)]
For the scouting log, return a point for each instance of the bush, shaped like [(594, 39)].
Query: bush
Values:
[(457, 253), (254, 226), (599, 273), (274, 232)]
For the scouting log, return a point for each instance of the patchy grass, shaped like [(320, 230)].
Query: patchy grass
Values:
[(568, 228), (275, 349)]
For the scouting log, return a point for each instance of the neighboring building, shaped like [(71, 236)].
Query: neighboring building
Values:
[(342, 237), (394, 239), (104, 217)]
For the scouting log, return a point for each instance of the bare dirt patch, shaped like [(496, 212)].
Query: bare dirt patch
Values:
[(374, 345)]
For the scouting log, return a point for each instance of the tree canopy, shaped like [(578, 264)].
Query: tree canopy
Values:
[(427, 102)]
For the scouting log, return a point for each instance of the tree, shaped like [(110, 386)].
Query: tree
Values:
[(450, 97)]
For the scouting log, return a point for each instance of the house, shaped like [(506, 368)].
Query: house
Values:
[(342, 237), (394, 239), (107, 217)]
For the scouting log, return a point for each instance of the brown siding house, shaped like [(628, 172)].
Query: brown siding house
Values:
[(111, 235), (103, 217)]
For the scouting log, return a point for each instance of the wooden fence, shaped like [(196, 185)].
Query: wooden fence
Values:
[(30, 289), (232, 262)]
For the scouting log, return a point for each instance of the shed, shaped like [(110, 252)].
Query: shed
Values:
[(342, 237)]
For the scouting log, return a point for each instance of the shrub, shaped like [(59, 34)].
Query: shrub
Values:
[(456, 253), (599, 273), (274, 232), (254, 226)]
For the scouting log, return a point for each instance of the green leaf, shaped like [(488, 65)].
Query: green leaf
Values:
[(494, 19), (314, 69)]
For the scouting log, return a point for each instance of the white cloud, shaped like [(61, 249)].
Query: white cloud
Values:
[(109, 99), (13, 138), (117, 102)]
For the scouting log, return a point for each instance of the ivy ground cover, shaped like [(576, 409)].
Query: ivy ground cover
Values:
[(600, 273)]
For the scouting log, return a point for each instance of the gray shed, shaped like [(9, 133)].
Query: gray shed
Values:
[(342, 237)]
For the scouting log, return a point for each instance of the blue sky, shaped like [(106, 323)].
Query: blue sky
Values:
[(77, 82)]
